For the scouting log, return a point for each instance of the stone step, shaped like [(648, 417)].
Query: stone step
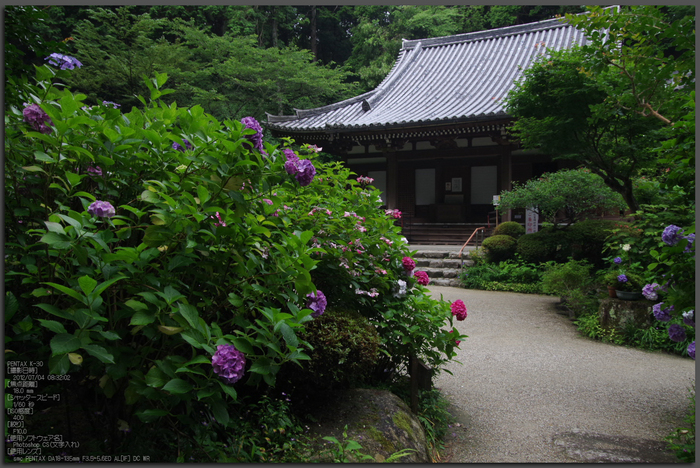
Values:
[(443, 263), (450, 282), (443, 272)]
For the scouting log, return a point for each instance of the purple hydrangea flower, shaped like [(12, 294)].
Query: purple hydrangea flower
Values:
[(228, 363), (649, 291), (672, 234), (617, 260), (691, 239), (37, 118), (676, 333), (94, 170), (622, 278), (179, 147), (101, 208), (662, 315), (317, 303), (459, 310), (689, 318), (292, 160), (110, 103), (691, 349), (305, 172), (66, 62), (256, 139)]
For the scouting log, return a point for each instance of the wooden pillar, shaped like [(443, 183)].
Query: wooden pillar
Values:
[(392, 180), (506, 178)]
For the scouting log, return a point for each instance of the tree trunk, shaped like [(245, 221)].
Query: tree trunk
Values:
[(275, 26), (314, 47)]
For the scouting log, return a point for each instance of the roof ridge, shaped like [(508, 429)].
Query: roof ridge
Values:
[(488, 34)]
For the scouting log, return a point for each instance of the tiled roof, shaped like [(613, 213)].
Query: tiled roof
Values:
[(444, 79)]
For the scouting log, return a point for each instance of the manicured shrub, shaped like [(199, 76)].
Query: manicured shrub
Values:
[(509, 228), (533, 248), (499, 248)]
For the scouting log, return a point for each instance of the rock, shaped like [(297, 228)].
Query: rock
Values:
[(616, 313), (377, 419)]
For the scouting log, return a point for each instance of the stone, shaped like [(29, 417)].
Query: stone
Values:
[(618, 314), (376, 419)]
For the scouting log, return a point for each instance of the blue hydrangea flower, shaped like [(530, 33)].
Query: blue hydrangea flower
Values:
[(672, 234), (691, 239), (292, 160), (110, 103), (37, 118), (65, 62), (622, 278), (102, 209), (676, 333), (691, 349), (305, 172), (317, 303), (649, 291), (617, 260), (689, 318), (179, 147), (228, 363), (256, 138), (662, 315)]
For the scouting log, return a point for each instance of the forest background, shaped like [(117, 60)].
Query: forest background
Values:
[(238, 60)]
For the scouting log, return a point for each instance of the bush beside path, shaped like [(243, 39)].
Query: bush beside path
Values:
[(531, 389)]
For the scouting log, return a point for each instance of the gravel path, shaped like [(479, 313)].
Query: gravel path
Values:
[(530, 389)]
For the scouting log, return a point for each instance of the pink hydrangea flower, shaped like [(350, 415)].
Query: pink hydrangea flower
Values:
[(422, 277), (408, 264), (459, 310)]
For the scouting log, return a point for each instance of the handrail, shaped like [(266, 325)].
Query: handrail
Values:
[(469, 240)]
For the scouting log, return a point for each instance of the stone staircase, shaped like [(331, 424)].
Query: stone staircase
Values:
[(443, 267)]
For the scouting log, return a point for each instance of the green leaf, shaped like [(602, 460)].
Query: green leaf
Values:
[(87, 284), (178, 386), (143, 317), (56, 311), (43, 157), (56, 240), (59, 365), (104, 285), (151, 415), (71, 292), (156, 377), (136, 305), (220, 412), (54, 227), (190, 313), (242, 345), (64, 343), (11, 305), (100, 353), (157, 235), (229, 390), (289, 336), (53, 325)]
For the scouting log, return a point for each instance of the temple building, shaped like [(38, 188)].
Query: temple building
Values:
[(433, 134)]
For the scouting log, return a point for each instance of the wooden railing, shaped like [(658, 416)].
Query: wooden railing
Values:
[(479, 229)]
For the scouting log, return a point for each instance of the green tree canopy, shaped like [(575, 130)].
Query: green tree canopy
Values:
[(569, 113)]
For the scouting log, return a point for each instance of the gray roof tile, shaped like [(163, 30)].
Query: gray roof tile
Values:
[(460, 77)]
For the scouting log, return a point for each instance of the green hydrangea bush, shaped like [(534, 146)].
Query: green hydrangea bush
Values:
[(174, 260)]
